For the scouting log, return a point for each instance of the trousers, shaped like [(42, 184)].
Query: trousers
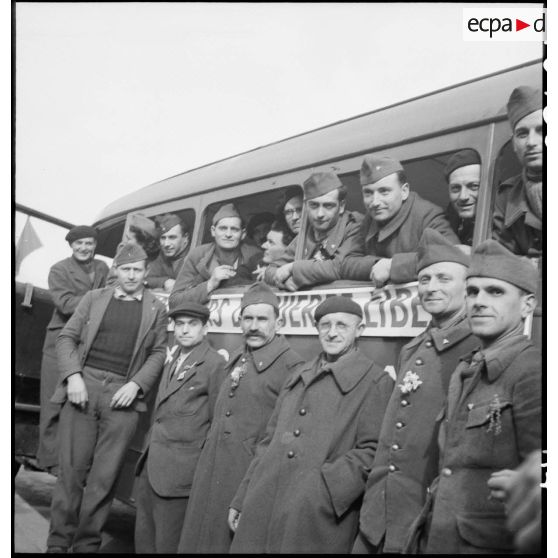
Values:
[(92, 446)]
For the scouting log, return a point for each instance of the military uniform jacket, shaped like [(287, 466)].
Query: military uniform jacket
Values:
[(515, 226), (407, 456), (463, 228), (163, 268), (342, 240), (397, 240), (181, 419), (239, 423), (191, 283), (494, 410), (302, 493)]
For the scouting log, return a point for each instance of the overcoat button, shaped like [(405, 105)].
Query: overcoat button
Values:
[(302, 412), (290, 455)]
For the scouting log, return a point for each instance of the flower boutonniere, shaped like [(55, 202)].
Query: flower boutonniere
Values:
[(170, 354), (237, 373), (494, 416), (411, 382)]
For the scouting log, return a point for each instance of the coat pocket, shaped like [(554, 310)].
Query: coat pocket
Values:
[(483, 414), (485, 530)]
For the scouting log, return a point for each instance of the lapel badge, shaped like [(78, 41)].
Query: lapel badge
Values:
[(445, 341), (186, 369)]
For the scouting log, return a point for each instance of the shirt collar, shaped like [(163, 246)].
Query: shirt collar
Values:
[(333, 239), (265, 356), (121, 295)]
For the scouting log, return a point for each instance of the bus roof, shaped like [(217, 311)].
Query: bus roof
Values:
[(431, 114)]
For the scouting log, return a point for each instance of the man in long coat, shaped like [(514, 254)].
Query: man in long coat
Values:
[(393, 225), (257, 371), (332, 235), (406, 461), (492, 420), (181, 419), (303, 491), (111, 353), (68, 281)]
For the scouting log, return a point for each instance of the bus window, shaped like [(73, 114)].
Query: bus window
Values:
[(109, 238)]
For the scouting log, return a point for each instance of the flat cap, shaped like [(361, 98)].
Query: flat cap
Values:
[(190, 309), (259, 293), (227, 210), (335, 304), (144, 223), (523, 101), (129, 253), (435, 248), (491, 259), (376, 167), (460, 159), (168, 221), (320, 183), (81, 231)]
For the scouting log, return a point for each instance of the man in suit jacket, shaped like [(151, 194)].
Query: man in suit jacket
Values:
[(111, 353), (68, 281), (181, 419)]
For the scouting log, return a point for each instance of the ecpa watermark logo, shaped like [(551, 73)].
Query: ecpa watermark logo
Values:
[(504, 24)]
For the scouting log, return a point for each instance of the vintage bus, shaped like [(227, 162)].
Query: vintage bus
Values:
[(422, 133)]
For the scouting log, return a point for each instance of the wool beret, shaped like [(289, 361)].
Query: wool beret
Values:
[(335, 304), (144, 223), (491, 259), (129, 253), (81, 231), (168, 221), (320, 183), (227, 210), (523, 101), (376, 167), (460, 159), (259, 293), (189, 308), (435, 248)]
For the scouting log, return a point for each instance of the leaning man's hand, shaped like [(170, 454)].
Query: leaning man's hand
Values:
[(76, 390), (124, 396)]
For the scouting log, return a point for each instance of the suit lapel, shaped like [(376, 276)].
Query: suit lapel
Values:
[(147, 316), (98, 309)]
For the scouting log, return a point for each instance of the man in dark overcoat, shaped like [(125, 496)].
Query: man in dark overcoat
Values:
[(407, 457), (68, 281), (333, 233), (111, 353), (492, 420), (303, 491), (181, 419), (517, 222), (393, 225), (256, 373), (226, 262)]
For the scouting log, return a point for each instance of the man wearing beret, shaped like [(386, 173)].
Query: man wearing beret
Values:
[(406, 461), (256, 372), (181, 419), (393, 225), (462, 173), (110, 355), (174, 240), (226, 262), (303, 490), (68, 281), (519, 201), (492, 419), (333, 234)]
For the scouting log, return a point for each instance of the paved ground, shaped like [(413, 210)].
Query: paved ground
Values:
[(33, 491)]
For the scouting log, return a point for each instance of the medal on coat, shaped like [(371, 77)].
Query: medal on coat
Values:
[(237, 373), (187, 368)]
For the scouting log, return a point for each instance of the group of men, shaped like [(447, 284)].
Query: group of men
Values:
[(267, 453)]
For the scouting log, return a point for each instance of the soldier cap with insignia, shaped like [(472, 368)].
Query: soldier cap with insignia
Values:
[(129, 253), (375, 167), (170, 220), (435, 248), (523, 101), (227, 210), (189, 308), (81, 231), (259, 293), (335, 304), (320, 183), (462, 158), (491, 259)]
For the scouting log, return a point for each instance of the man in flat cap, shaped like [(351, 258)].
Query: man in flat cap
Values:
[(110, 354), (333, 234), (303, 490), (517, 222), (226, 262), (181, 419), (492, 419), (256, 372), (393, 225), (462, 172), (68, 281), (407, 456), (174, 240)]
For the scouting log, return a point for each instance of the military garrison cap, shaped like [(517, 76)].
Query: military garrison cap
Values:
[(129, 253), (168, 221), (523, 101), (435, 248), (320, 183), (460, 159), (335, 304), (191, 309), (227, 210), (376, 167), (81, 231), (259, 293), (144, 223)]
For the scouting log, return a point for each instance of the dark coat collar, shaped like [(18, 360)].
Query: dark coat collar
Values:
[(393, 225), (265, 356), (517, 205), (335, 236)]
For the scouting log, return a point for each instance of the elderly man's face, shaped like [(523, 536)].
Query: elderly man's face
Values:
[(130, 276), (259, 324), (174, 241), (324, 211), (528, 141), (228, 233), (273, 247), (83, 249), (383, 199), (338, 332), (464, 185), (293, 213)]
